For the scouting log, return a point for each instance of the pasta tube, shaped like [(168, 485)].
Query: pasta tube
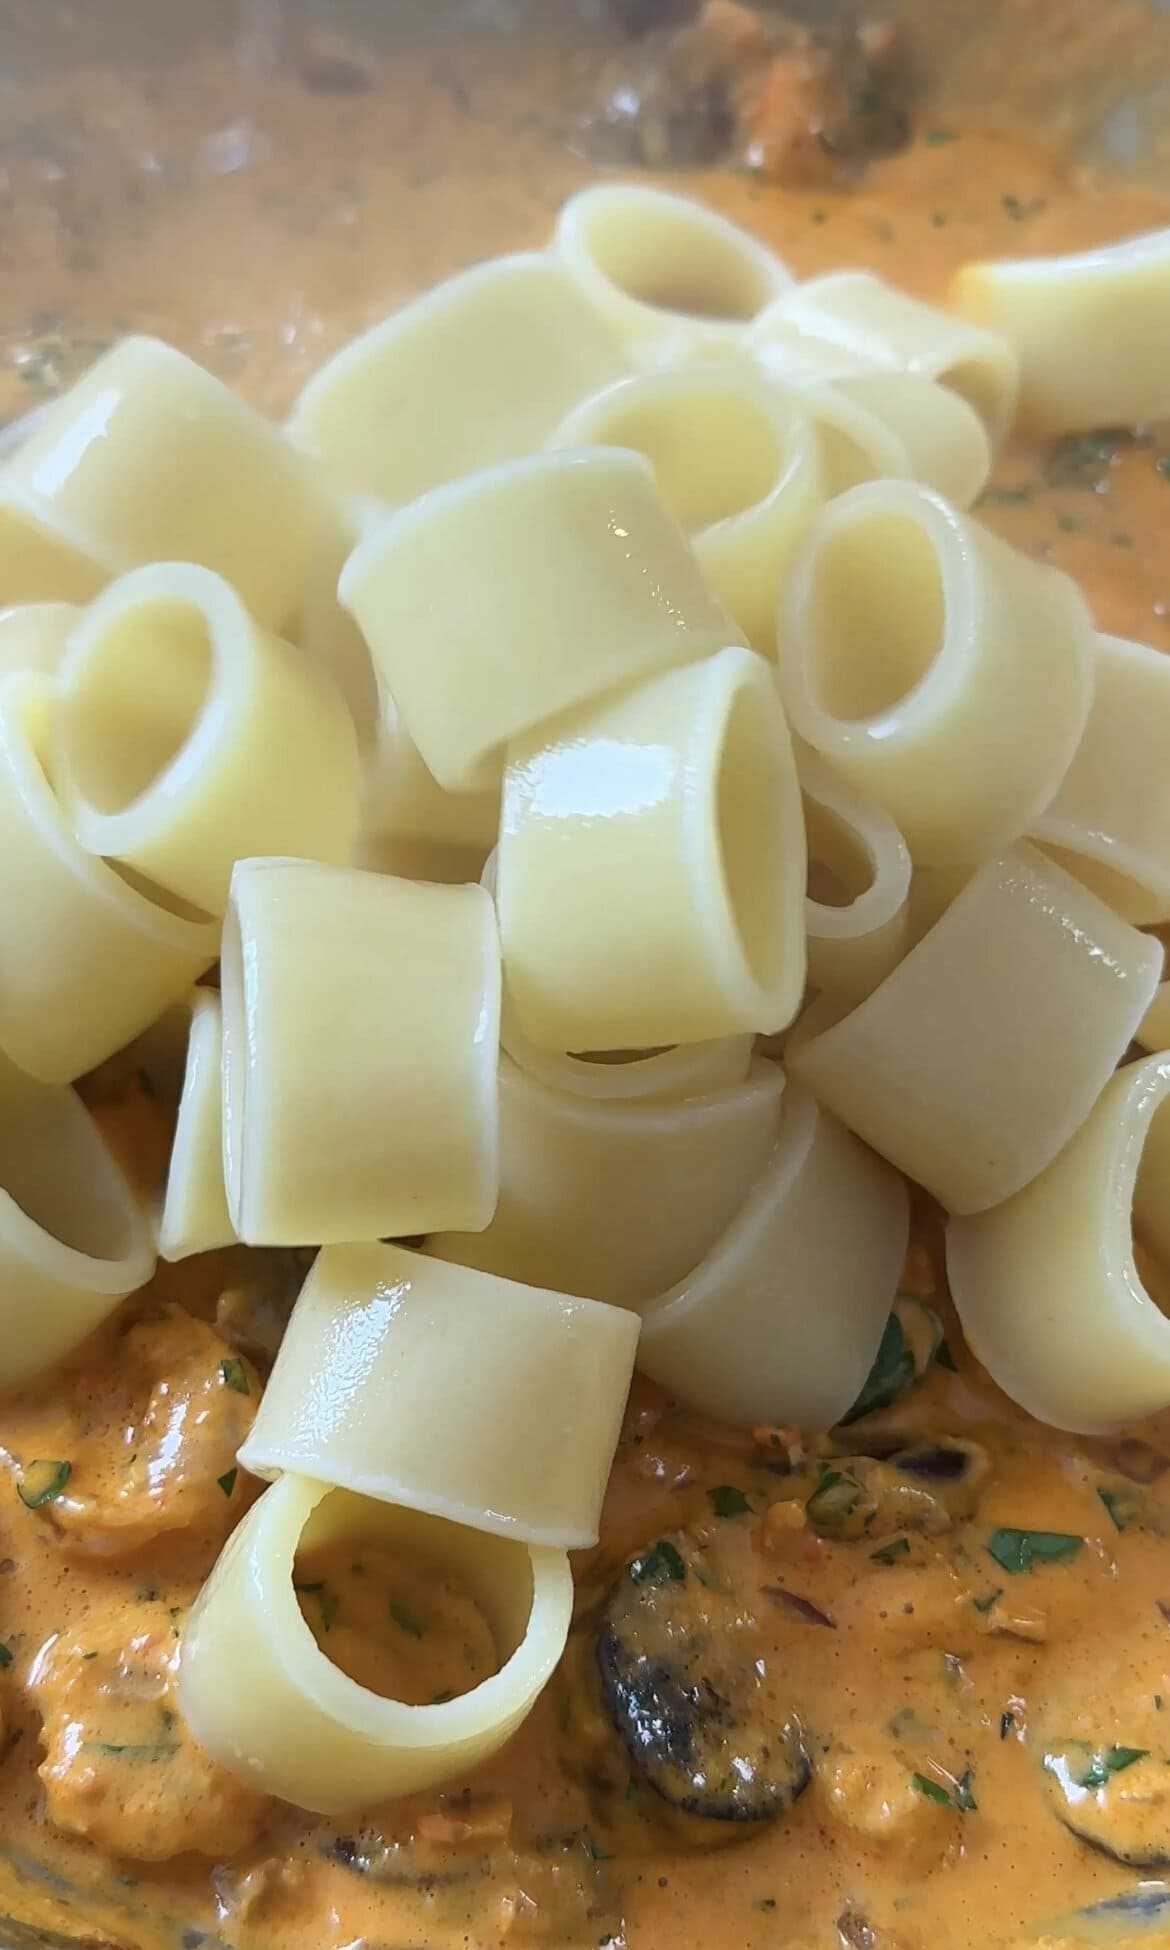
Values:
[(477, 371), (33, 636), (87, 960), (1109, 823), (869, 321), (261, 1696), (1047, 1288), (980, 1055), (651, 865), (147, 458), (617, 1197), (73, 1241), (780, 1322), (1089, 330), (360, 1032), (944, 442), (404, 801), (187, 738), (674, 280), (735, 459), (857, 911), (407, 1380), (195, 1214), (938, 671), (496, 602), (38, 565)]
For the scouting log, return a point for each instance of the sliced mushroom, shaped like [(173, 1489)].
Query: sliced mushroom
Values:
[(688, 1688), (1116, 1798)]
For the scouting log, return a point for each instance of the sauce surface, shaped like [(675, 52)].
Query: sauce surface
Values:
[(958, 1616)]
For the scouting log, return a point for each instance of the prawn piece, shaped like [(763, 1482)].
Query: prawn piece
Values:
[(121, 1768)]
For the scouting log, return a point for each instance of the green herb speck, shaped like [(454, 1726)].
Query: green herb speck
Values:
[(1017, 1551), (227, 1482), (662, 1565), (43, 1482), (405, 1619), (234, 1375), (727, 1501)]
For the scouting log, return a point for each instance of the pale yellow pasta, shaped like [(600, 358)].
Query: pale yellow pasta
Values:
[(73, 1241), (781, 1320), (265, 1700), (477, 371), (326, 632), (187, 738), (1109, 823), (37, 564), (941, 673), (195, 1215), (1088, 330), (1046, 1285), (493, 603), (616, 1198), (736, 461), (33, 636), (407, 1380), (674, 280), (147, 458), (855, 444), (943, 440), (857, 911), (785, 349), (404, 801), (87, 959), (651, 865), (868, 320), (1153, 1031), (360, 1031), (980, 1055)]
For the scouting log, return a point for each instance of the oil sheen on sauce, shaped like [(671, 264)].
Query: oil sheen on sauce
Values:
[(931, 1661)]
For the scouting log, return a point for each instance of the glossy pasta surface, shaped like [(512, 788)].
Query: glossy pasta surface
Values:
[(584, 1265)]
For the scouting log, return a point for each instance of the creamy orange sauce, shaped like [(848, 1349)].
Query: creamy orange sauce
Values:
[(257, 223)]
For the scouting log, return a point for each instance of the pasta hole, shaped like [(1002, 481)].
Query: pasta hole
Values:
[(1151, 1222), (877, 615), (751, 820), (52, 1165), (135, 700), (395, 1621), (840, 870), (679, 260), (714, 453)]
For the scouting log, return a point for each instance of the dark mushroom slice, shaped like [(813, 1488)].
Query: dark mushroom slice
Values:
[(680, 1663), (1115, 1798), (1118, 1919)]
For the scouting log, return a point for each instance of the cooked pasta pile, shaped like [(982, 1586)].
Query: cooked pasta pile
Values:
[(642, 819)]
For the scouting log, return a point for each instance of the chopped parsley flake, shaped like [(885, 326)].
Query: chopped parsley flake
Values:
[(43, 1482), (235, 1376), (405, 1619), (662, 1565), (1017, 1551), (727, 1501)]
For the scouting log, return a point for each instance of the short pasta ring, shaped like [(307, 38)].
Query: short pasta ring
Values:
[(262, 1697)]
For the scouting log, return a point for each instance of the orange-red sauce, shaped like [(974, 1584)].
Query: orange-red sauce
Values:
[(257, 223)]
